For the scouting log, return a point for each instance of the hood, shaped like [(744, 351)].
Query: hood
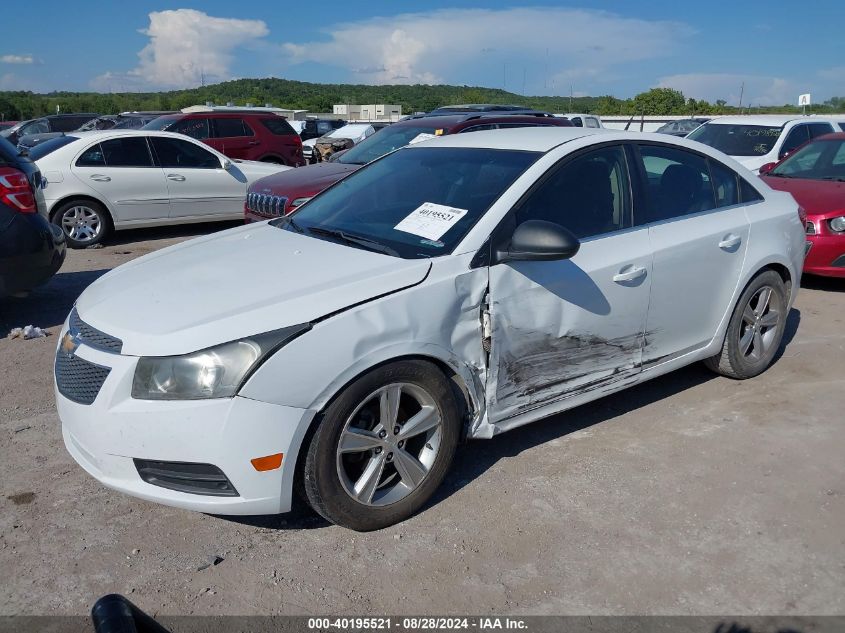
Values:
[(233, 284), (818, 197), (304, 180)]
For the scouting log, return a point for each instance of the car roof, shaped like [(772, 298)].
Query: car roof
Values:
[(767, 119), (90, 135), (543, 139), (533, 139)]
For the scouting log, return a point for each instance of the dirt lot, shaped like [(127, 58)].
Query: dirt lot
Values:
[(691, 494)]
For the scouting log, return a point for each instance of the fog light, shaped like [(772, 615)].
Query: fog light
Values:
[(838, 224)]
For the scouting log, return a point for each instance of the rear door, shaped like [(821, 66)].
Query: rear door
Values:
[(122, 170), (699, 234), (561, 328), (196, 181), (232, 137)]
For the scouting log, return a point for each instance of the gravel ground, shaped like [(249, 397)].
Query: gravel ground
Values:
[(691, 494)]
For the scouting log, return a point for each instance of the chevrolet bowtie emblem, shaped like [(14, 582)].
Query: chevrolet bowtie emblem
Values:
[(69, 344)]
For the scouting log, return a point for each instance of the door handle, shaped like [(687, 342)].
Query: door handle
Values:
[(254, 143), (730, 241), (629, 273), (176, 177), (99, 177)]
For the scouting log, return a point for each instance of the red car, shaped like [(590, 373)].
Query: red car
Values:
[(249, 134), (815, 176), (281, 193)]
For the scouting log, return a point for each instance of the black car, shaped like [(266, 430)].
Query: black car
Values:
[(49, 123), (31, 248)]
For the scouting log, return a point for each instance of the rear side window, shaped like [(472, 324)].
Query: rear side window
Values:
[(724, 184), (126, 152), (278, 126), (591, 122), (195, 128), (577, 122), (842, 126), (678, 183), (748, 193), (226, 128), (91, 157)]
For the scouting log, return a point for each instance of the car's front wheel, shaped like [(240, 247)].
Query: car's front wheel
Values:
[(383, 446), (755, 329), (84, 222)]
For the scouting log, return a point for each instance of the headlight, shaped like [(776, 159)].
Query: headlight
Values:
[(216, 372), (300, 201), (838, 224)]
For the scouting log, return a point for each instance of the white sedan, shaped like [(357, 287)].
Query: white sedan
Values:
[(458, 287), (120, 179)]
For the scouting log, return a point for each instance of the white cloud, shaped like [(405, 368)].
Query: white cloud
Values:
[(185, 46), (17, 59), (451, 44), (759, 90)]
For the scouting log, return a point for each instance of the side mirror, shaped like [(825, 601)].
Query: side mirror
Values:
[(227, 164), (765, 169), (538, 240)]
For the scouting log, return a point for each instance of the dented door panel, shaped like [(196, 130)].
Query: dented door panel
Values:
[(563, 328)]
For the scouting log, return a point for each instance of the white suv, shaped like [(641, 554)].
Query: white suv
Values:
[(458, 287), (755, 140)]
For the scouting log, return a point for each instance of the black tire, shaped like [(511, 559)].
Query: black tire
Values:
[(324, 484), (765, 329), (93, 213)]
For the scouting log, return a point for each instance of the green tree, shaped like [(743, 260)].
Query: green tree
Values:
[(659, 101)]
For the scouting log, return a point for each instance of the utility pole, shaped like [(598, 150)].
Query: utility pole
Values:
[(570, 97), (741, 92)]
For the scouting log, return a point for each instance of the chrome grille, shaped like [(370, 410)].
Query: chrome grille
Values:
[(811, 228), (266, 204), (93, 337), (78, 379)]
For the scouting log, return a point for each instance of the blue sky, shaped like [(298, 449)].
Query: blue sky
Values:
[(707, 50)]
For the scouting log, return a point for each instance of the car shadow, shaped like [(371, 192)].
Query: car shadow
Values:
[(828, 284), (131, 236), (48, 305)]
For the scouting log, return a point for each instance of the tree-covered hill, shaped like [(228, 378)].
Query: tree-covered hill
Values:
[(320, 98)]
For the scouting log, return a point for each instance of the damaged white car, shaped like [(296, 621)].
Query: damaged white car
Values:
[(459, 287)]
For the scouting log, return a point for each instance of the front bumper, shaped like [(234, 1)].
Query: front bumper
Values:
[(106, 437), (826, 255)]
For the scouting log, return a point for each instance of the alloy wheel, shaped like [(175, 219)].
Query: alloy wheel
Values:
[(81, 223), (758, 329), (389, 444)]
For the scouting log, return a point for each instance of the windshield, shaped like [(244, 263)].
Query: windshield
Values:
[(414, 203), (384, 142), (738, 140), (819, 160), (51, 145)]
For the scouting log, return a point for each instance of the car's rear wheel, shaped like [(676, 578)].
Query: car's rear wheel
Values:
[(755, 329), (84, 222), (383, 446)]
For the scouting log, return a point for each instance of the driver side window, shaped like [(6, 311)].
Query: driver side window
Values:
[(589, 195), (174, 153)]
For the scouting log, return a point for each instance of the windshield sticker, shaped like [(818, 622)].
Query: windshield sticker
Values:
[(422, 136), (430, 220)]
